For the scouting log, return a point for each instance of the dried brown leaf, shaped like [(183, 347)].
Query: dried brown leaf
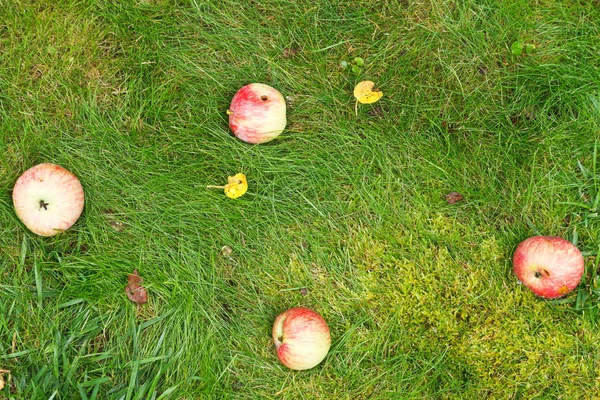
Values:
[(134, 289), (289, 101), (226, 251), (454, 197), (449, 127), (376, 112), (290, 52), (113, 221)]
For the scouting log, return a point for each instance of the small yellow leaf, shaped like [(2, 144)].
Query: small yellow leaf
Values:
[(365, 94), (236, 186)]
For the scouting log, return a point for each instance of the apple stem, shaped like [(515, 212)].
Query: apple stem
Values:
[(43, 205)]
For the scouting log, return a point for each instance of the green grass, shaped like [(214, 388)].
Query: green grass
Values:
[(419, 294)]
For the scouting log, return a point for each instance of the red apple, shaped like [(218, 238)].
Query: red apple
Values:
[(48, 199), (548, 265), (257, 113), (301, 337)]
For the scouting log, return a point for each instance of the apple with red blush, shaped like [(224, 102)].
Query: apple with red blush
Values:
[(257, 113), (548, 265), (48, 199), (301, 337)]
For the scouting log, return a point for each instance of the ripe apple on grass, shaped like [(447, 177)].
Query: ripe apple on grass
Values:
[(257, 113), (48, 199), (301, 337), (548, 265)]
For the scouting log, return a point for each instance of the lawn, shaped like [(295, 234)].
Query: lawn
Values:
[(345, 211)]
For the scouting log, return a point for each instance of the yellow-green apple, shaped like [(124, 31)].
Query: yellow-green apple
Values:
[(48, 199), (257, 113), (301, 337), (548, 265)]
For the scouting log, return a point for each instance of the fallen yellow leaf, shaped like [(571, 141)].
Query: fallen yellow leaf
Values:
[(236, 186), (365, 94)]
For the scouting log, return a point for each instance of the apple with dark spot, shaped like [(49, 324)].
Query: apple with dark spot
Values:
[(301, 337), (48, 199), (548, 265), (257, 113)]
